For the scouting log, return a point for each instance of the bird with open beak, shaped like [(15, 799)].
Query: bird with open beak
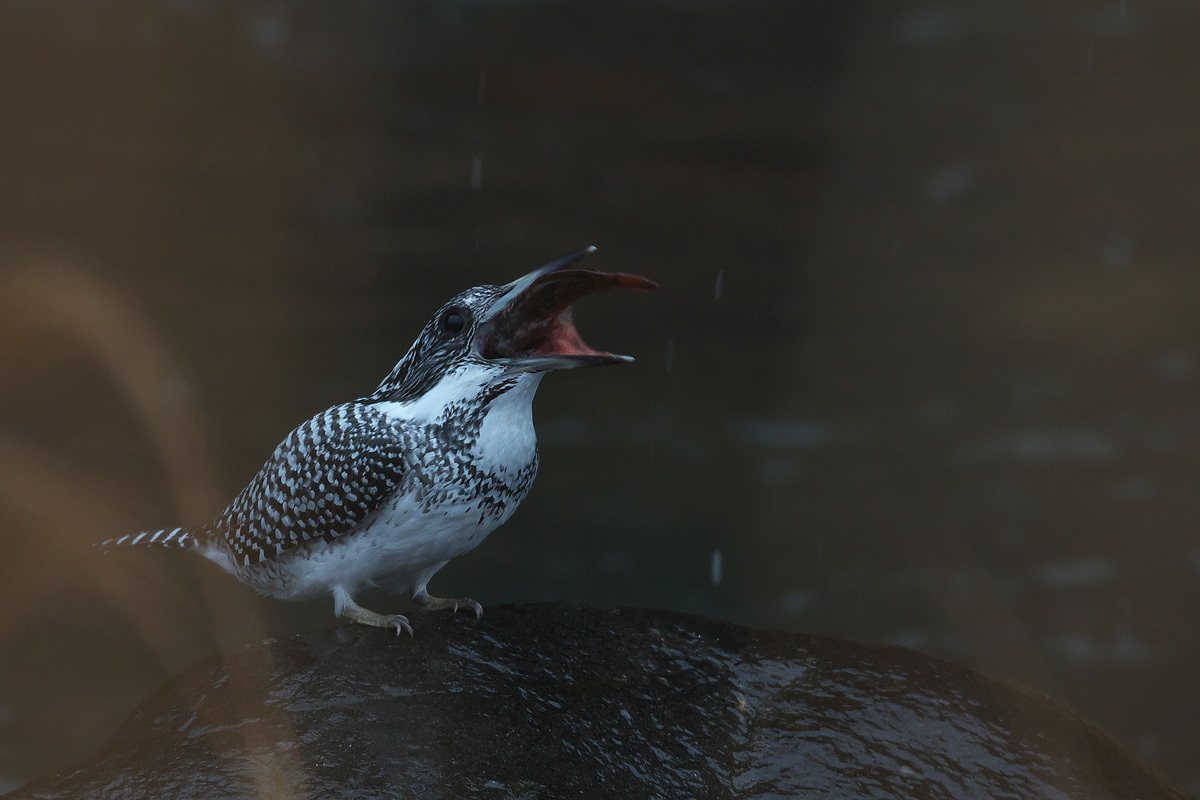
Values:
[(386, 489)]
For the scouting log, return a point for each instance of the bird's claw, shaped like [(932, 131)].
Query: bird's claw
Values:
[(400, 623), (461, 602), (465, 602), (353, 611), (431, 603), (476, 607)]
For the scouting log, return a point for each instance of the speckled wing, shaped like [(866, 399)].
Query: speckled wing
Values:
[(322, 481)]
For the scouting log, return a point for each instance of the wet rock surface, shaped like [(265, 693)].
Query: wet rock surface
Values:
[(548, 701)]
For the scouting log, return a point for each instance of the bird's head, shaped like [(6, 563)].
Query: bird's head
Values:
[(495, 333)]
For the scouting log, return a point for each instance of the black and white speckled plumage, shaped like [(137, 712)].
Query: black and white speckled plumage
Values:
[(321, 481), (386, 489), (432, 355), (334, 470)]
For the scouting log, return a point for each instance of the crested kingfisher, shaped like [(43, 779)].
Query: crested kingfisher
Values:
[(386, 489)]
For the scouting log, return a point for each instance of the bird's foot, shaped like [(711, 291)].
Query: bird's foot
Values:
[(363, 616), (397, 621), (430, 603)]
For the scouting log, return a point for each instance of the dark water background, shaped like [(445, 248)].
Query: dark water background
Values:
[(924, 367)]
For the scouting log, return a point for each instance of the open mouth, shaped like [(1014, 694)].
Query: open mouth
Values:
[(532, 328)]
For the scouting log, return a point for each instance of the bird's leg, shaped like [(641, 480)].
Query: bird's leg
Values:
[(427, 601), (344, 606)]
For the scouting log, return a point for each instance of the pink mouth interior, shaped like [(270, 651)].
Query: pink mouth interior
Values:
[(538, 322)]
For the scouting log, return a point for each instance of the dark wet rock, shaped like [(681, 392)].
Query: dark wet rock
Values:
[(558, 701)]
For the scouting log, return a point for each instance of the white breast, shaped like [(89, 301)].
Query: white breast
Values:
[(507, 439), (403, 543), (398, 547)]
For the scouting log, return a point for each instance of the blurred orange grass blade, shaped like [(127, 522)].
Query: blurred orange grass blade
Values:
[(79, 509), (71, 304)]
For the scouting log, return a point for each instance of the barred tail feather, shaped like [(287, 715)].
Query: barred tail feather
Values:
[(176, 537)]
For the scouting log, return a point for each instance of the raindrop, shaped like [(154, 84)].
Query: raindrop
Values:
[(269, 32), (799, 601), (950, 182), (718, 566), (477, 172), (720, 285), (1175, 365)]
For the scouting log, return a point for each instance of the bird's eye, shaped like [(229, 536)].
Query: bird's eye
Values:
[(453, 321)]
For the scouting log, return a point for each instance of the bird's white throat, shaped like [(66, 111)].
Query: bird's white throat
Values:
[(506, 437)]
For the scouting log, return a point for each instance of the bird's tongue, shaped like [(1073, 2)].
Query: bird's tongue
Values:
[(538, 322)]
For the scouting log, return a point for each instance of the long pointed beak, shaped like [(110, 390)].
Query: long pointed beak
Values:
[(529, 327), (525, 281)]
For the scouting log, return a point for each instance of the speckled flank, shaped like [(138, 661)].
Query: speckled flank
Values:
[(398, 498)]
